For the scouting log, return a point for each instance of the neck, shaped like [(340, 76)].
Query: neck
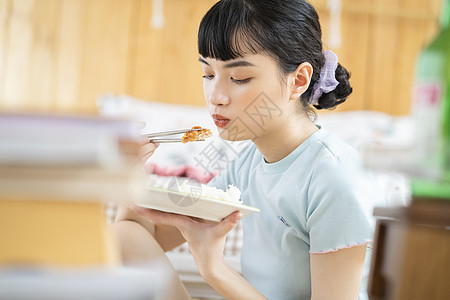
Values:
[(278, 144)]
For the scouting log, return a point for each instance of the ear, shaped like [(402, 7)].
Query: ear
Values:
[(300, 79)]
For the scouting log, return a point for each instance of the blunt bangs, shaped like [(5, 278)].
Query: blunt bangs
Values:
[(227, 31)]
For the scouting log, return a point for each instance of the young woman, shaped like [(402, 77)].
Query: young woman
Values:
[(264, 67)]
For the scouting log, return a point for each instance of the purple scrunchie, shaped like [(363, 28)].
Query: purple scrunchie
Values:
[(327, 81)]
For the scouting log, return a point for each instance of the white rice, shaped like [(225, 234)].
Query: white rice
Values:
[(232, 194)]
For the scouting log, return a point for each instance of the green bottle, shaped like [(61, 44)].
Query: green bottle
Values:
[(431, 112)]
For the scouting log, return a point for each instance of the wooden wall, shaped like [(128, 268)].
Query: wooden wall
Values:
[(380, 43), (61, 55)]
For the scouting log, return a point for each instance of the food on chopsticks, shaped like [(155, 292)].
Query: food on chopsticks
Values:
[(196, 134)]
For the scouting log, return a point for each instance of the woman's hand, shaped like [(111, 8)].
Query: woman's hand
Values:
[(206, 240), (147, 149)]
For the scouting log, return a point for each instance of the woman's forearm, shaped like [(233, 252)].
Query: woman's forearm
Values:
[(229, 283), (168, 237), (207, 241)]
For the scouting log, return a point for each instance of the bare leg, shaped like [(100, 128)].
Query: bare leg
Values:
[(138, 248)]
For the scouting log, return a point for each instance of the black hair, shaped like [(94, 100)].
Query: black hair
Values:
[(286, 30)]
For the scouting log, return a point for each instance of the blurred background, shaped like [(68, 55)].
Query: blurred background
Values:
[(61, 55)]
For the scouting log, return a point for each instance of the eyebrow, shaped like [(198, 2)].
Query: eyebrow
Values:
[(239, 63)]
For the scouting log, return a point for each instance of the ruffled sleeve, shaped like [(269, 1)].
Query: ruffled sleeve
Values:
[(341, 197)]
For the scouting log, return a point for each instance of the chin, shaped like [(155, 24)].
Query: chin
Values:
[(226, 135)]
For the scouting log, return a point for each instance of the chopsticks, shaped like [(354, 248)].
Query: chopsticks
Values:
[(156, 137)]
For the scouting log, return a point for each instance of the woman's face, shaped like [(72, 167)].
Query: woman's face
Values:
[(245, 96)]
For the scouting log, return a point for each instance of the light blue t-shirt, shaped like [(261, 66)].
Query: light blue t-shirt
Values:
[(317, 199)]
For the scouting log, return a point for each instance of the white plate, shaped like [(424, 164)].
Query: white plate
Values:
[(191, 205)]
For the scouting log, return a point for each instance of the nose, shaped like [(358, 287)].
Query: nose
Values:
[(217, 95)]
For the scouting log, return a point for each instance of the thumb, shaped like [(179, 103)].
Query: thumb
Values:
[(228, 223)]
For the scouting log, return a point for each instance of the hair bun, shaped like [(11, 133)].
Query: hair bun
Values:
[(340, 94)]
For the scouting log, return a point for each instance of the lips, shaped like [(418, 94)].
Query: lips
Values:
[(220, 120)]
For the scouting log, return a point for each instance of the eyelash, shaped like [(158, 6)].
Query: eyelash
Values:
[(237, 81), (240, 81)]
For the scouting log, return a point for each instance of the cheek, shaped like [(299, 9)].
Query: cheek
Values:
[(263, 94), (246, 94), (206, 91)]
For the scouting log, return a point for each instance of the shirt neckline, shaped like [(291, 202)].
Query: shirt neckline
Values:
[(285, 163)]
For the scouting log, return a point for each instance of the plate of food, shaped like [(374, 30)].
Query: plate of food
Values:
[(196, 200)]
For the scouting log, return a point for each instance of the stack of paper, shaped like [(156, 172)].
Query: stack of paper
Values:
[(56, 174)]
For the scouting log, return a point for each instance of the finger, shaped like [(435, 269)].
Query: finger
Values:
[(147, 150), (159, 217), (145, 142), (153, 215), (146, 156), (199, 220), (227, 224)]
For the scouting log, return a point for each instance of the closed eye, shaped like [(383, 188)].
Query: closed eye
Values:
[(240, 81)]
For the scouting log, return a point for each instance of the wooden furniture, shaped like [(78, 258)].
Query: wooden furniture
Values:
[(57, 173), (61, 55), (411, 257)]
